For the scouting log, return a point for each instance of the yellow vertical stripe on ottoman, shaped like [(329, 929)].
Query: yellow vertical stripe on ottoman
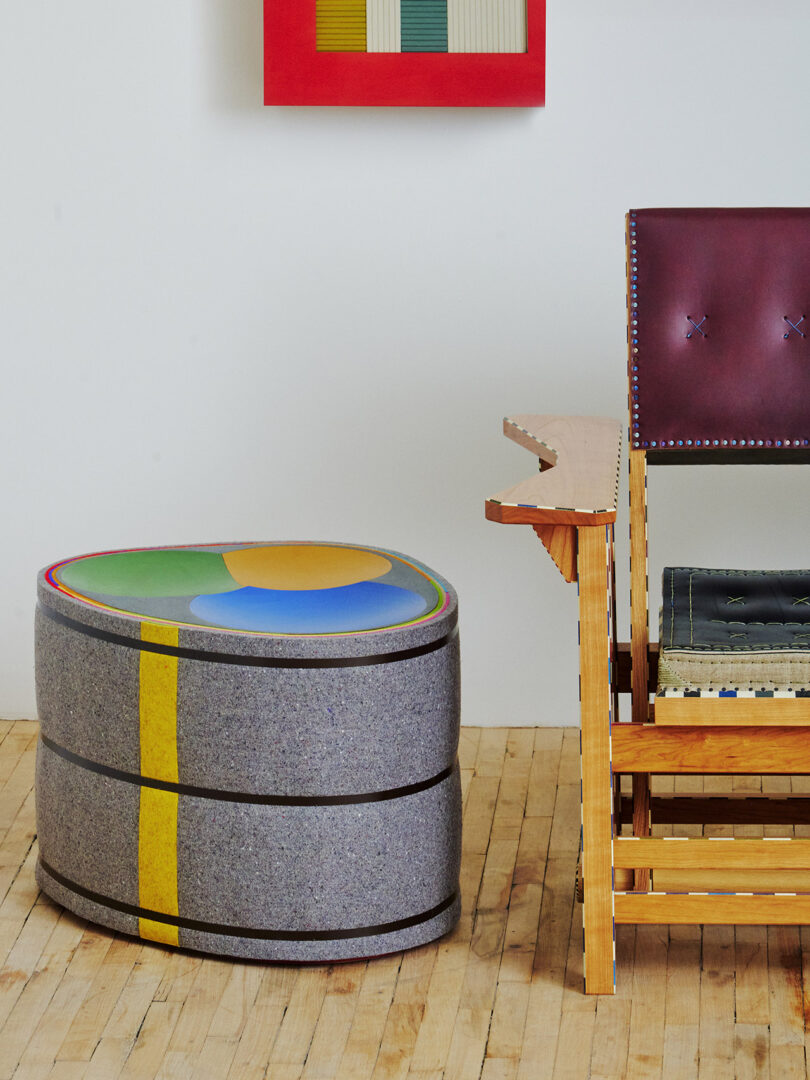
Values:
[(157, 836)]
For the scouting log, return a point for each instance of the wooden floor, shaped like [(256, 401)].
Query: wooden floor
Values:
[(495, 1000)]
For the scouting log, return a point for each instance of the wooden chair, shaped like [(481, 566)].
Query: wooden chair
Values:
[(719, 372)]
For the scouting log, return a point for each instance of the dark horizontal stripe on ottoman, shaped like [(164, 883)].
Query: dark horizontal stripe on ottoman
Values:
[(246, 797), (250, 661), (249, 931)]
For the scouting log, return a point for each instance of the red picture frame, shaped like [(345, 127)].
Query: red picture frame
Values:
[(295, 73)]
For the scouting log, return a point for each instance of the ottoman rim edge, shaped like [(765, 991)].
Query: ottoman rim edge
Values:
[(242, 643)]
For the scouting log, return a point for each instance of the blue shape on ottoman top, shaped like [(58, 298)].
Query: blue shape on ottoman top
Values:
[(362, 606)]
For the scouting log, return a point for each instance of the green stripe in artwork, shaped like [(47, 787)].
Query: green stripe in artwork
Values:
[(424, 25)]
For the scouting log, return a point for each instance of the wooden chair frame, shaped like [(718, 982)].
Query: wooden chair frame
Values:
[(735, 735), (572, 506)]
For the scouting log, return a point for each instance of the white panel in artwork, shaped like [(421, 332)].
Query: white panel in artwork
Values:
[(383, 26), (487, 26)]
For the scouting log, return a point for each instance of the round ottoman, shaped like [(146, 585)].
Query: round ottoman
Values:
[(250, 749)]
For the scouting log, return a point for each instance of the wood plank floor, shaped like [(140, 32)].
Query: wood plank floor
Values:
[(496, 1000)]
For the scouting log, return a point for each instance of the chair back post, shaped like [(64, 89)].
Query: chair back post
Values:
[(639, 588), (595, 572), (639, 575), (639, 585)]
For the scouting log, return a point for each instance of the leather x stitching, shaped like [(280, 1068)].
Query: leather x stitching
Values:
[(793, 326), (697, 326)]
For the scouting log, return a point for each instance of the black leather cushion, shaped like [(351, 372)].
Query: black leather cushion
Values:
[(736, 609), (735, 629)]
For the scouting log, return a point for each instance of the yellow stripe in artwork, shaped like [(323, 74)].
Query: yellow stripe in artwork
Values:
[(157, 838), (340, 25)]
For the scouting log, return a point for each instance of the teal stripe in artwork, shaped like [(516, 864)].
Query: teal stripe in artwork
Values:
[(424, 25)]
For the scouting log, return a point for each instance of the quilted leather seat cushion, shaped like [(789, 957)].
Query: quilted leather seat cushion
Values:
[(726, 630)]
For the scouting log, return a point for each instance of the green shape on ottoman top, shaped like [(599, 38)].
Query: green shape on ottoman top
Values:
[(157, 572)]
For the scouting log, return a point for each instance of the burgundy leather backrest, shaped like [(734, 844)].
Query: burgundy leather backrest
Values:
[(719, 329)]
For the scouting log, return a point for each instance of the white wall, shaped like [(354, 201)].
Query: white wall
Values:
[(223, 321)]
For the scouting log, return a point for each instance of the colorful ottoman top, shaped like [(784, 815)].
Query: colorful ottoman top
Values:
[(260, 588)]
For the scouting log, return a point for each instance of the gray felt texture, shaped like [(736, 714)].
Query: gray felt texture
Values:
[(318, 868), (327, 731), (88, 826), (87, 694), (263, 867), (324, 952), (86, 909)]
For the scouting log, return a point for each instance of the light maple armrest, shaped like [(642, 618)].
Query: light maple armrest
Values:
[(579, 477)]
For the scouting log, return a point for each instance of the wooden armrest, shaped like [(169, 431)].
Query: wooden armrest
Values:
[(579, 472)]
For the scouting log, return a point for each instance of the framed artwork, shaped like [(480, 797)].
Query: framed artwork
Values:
[(404, 52)]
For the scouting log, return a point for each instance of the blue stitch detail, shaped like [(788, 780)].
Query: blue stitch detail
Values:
[(697, 326), (794, 326)]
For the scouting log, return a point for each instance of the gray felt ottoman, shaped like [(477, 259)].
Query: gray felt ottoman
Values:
[(250, 749)]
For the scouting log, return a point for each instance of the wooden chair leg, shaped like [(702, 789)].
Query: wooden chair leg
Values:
[(617, 803), (641, 824), (597, 787)]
